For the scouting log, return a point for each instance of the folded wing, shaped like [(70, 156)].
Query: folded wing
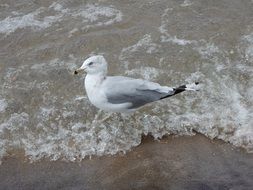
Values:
[(138, 92)]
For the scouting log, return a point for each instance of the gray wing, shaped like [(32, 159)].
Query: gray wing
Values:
[(137, 99), (138, 92)]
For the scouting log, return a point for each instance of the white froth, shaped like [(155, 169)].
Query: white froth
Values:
[(148, 73), (145, 44), (95, 14), (3, 105), (45, 113), (78, 98), (186, 3), (72, 32), (77, 127), (11, 24), (207, 50), (249, 48), (175, 40), (58, 7), (92, 14), (166, 37), (44, 68)]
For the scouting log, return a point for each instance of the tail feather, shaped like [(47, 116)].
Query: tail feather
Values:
[(188, 87)]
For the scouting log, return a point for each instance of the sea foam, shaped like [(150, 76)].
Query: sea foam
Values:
[(93, 15)]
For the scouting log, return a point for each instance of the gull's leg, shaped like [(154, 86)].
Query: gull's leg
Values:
[(106, 117), (97, 116)]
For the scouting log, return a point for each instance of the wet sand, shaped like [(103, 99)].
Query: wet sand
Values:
[(196, 163)]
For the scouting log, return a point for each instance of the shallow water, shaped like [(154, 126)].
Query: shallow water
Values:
[(45, 111)]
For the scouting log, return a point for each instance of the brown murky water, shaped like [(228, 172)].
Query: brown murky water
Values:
[(44, 110)]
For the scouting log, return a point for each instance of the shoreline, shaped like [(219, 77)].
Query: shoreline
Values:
[(185, 162)]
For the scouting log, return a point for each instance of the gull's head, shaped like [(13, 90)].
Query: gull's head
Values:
[(94, 65)]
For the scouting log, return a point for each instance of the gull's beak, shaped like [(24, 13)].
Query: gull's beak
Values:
[(81, 69)]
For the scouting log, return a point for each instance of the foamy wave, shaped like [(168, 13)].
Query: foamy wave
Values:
[(11, 24), (234, 122), (93, 15), (64, 128), (221, 92)]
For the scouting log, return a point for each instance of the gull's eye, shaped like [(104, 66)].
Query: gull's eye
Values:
[(90, 63)]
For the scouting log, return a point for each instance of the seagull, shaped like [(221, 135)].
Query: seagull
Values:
[(122, 94)]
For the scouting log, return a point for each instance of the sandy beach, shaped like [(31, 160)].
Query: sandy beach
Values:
[(192, 163)]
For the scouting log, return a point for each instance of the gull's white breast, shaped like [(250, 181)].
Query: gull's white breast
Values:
[(92, 86), (97, 96)]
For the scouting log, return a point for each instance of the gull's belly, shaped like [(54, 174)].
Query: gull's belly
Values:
[(93, 90), (98, 98)]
